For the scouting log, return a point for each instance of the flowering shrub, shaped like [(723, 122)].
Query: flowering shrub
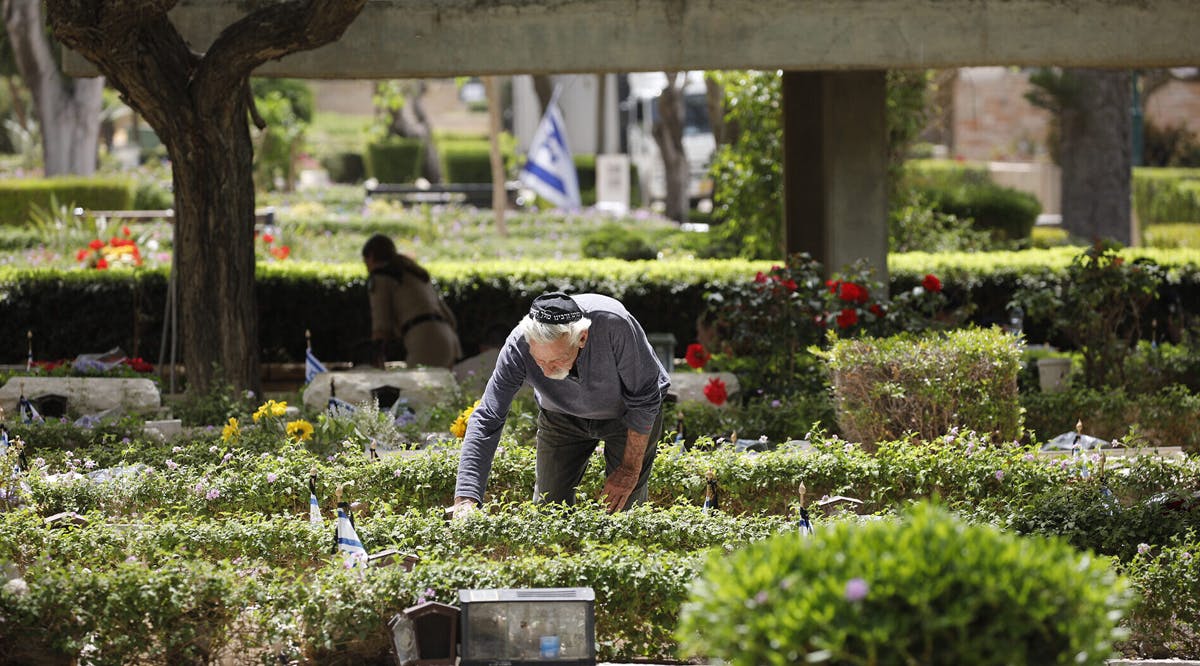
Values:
[(927, 589), (118, 251), (1166, 621)]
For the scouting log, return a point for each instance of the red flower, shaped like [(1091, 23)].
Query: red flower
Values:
[(138, 365), (875, 310), (81, 255), (931, 283), (847, 318), (281, 252), (833, 285), (697, 356), (96, 244), (790, 284), (268, 239), (852, 293), (760, 278), (715, 391), (102, 263), (125, 231)]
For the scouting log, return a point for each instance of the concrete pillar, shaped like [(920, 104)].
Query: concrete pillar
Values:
[(835, 167)]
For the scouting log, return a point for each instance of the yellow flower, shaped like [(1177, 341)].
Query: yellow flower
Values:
[(459, 428), (270, 408), (300, 430), (231, 430)]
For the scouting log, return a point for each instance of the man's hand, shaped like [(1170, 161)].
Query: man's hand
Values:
[(463, 507), (619, 486)]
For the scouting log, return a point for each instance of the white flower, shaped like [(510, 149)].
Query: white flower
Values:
[(16, 586)]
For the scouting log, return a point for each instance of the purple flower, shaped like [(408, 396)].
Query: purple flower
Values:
[(177, 449), (1028, 457), (1143, 548), (198, 488), (1185, 555), (761, 597), (226, 457), (776, 403), (213, 494), (90, 464), (271, 477), (125, 440), (171, 464), (999, 475), (856, 589), (396, 473), (330, 458)]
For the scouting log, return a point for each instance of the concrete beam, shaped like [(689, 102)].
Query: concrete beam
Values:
[(437, 38)]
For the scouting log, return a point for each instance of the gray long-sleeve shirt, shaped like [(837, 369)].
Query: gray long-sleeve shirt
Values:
[(617, 375)]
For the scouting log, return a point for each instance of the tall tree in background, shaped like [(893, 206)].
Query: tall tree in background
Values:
[(68, 109), (668, 136), (200, 104), (1092, 123), (404, 101)]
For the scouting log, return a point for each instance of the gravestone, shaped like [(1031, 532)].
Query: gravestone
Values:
[(420, 387), (83, 395)]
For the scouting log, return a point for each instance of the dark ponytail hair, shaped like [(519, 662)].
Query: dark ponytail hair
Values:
[(381, 248)]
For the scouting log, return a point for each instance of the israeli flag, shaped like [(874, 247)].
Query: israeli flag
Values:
[(348, 542), (314, 507), (549, 168), (29, 413), (805, 524), (312, 366)]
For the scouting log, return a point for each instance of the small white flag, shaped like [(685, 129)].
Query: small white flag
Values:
[(549, 168)]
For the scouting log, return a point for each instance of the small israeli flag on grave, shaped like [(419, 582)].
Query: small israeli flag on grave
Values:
[(347, 538), (312, 366), (314, 507), (549, 167)]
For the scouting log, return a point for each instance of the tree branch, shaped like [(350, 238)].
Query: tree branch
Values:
[(272, 32)]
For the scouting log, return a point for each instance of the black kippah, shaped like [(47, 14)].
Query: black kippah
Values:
[(555, 308)]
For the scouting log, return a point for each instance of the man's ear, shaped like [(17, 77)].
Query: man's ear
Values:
[(583, 339)]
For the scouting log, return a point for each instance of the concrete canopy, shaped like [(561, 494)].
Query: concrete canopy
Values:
[(436, 38)]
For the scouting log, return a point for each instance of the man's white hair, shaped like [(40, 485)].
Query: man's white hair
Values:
[(536, 331)]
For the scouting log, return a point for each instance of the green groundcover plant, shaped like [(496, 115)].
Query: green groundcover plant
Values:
[(927, 589)]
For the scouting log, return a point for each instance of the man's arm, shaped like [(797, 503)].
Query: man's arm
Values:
[(485, 426), (620, 484)]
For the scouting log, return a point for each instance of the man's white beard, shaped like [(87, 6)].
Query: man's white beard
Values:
[(561, 374)]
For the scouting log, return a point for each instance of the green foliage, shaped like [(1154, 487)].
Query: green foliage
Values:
[(19, 196), (617, 242), (926, 589), (915, 223), (280, 143), (394, 160), (469, 160), (1099, 307), (887, 387), (1166, 195), (1006, 213), (345, 167), (1166, 416), (297, 93), (1166, 620)]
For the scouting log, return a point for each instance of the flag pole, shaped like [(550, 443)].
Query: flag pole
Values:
[(308, 339), (29, 354)]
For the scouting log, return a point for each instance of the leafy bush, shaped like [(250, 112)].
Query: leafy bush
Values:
[(916, 224), (926, 589), (19, 196), (345, 167), (1166, 620), (1099, 308), (394, 160), (1168, 416), (886, 387), (465, 161), (617, 242)]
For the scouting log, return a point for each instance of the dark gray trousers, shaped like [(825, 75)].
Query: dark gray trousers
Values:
[(565, 444)]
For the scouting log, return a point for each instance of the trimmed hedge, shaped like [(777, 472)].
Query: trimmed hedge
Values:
[(394, 160), (18, 196), (466, 160), (1166, 195), (119, 308)]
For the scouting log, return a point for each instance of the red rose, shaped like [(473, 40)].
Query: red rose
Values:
[(81, 255), (760, 278), (268, 239), (789, 284), (847, 318), (102, 264), (281, 252), (852, 293), (715, 391), (875, 310), (931, 283), (697, 356), (833, 285), (96, 244)]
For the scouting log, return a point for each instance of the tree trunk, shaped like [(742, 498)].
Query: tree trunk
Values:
[(68, 109), (1096, 156), (543, 86), (714, 97), (668, 135), (214, 244)]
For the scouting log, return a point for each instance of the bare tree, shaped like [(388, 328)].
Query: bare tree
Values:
[(200, 104), (68, 109), (668, 135)]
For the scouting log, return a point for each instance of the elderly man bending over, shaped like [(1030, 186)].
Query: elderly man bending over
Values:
[(596, 378)]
